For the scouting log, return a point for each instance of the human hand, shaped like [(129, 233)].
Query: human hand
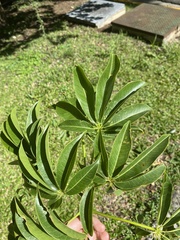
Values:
[(99, 229)]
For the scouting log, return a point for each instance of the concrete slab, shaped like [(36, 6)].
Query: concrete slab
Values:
[(153, 22), (97, 13)]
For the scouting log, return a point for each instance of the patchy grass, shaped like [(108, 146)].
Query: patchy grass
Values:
[(42, 69)]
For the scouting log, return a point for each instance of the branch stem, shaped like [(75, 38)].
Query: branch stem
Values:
[(124, 220)]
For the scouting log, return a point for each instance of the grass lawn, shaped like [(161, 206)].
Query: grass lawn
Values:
[(42, 69)]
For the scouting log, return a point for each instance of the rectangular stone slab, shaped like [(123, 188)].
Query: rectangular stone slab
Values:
[(97, 13), (153, 22)]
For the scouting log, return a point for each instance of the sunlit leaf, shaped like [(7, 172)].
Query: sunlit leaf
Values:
[(175, 218), (43, 160), (84, 93), (165, 200), (33, 114), (7, 142), (21, 225), (86, 210), (131, 113), (46, 222), (27, 168), (104, 156), (120, 151), (12, 128), (82, 179), (64, 228), (114, 105), (31, 225), (32, 132), (66, 162), (77, 126), (144, 179), (68, 111), (105, 86), (144, 160)]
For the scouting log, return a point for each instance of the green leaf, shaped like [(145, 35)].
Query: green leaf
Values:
[(144, 160), (33, 132), (175, 218), (86, 210), (120, 151), (68, 111), (66, 162), (175, 231), (105, 86), (43, 160), (33, 114), (84, 93), (121, 97), (64, 228), (144, 179), (7, 142), (12, 129), (27, 169), (82, 179), (46, 223), (131, 113), (32, 227), (77, 126), (104, 156), (165, 200), (21, 225)]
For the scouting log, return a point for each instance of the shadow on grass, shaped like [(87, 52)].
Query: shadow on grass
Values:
[(22, 25)]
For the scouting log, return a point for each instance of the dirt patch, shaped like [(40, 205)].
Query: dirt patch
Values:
[(23, 23)]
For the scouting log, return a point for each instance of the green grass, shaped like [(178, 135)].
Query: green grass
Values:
[(42, 69)]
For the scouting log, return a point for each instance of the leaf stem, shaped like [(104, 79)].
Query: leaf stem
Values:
[(124, 220), (77, 215)]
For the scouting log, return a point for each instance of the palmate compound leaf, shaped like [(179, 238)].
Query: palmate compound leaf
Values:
[(142, 180), (123, 94), (66, 162), (82, 179), (165, 200), (144, 160), (105, 86), (120, 151), (85, 93), (47, 224), (86, 210)]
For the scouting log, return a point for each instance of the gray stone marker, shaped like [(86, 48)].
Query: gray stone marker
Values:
[(153, 22), (97, 13)]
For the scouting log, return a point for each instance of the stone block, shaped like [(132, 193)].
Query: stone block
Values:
[(97, 13)]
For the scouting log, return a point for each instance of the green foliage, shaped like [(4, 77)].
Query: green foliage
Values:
[(97, 114), (92, 109)]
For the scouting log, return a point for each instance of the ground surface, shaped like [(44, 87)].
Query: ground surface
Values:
[(23, 23)]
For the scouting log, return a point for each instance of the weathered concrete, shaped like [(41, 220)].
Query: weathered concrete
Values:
[(153, 22), (97, 13)]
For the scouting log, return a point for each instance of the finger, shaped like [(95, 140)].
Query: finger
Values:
[(98, 226), (102, 235), (93, 237), (76, 225)]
